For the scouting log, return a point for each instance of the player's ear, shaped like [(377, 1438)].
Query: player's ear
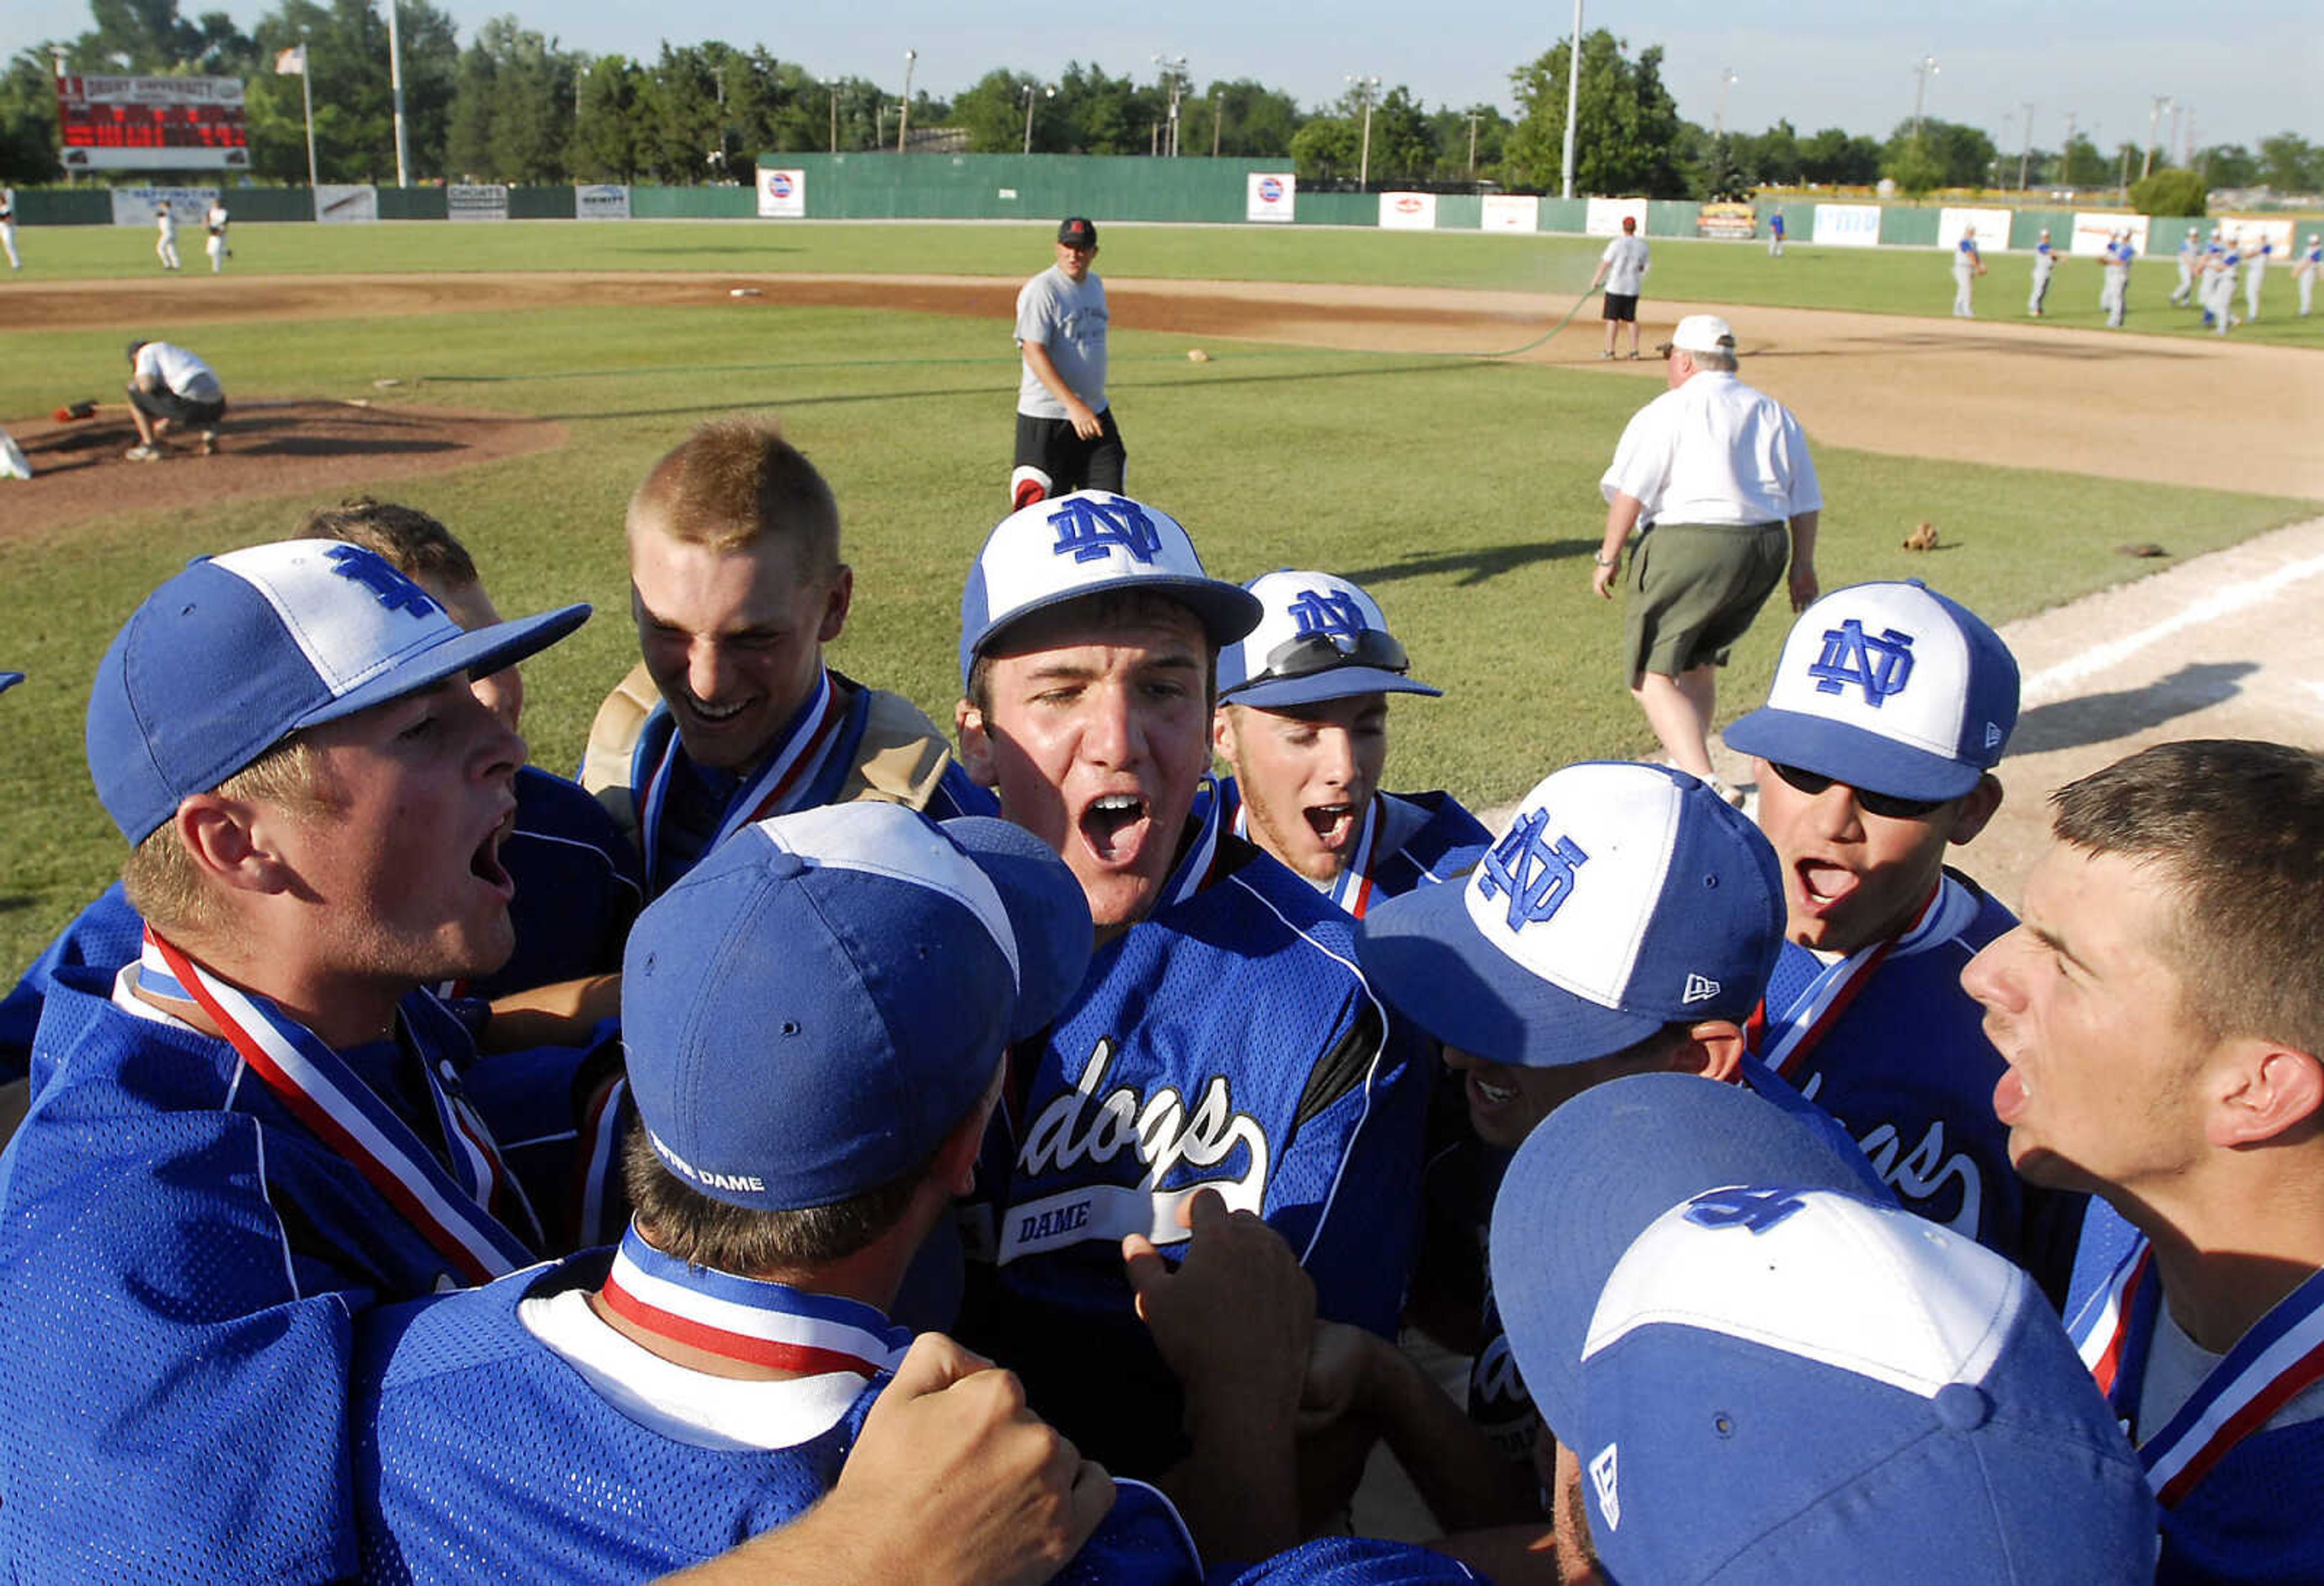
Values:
[(1222, 733), (1974, 809), (2266, 1090), (975, 744), (232, 842), (841, 595), (1713, 1048)]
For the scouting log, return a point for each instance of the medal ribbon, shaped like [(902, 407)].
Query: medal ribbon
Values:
[(1193, 872), (1784, 1038), (789, 771), (1352, 888), (748, 1319), (447, 1208)]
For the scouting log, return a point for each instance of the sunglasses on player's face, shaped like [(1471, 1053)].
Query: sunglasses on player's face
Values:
[(1308, 653), (1888, 805)]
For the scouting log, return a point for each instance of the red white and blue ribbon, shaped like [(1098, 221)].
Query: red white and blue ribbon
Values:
[(449, 1207), (749, 1319), (2281, 1356), (1352, 888), (1192, 874), (1783, 1037), (793, 767)]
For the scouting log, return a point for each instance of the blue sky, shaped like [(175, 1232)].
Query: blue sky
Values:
[(2246, 68)]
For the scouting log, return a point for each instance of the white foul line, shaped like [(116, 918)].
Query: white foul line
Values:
[(2056, 682)]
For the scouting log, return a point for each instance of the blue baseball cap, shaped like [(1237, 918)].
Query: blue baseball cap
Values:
[(1088, 543), (813, 1008), (1890, 687), (1623, 897), (1768, 1376), (232, 655), (9, 680), (1318, 638)]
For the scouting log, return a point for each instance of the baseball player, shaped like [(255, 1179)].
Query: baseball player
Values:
[(714, 1373), (737, 585), (1622, 272), (1066, 436), (8, 227), (1775, 233), (2045, 264), (1688, 1276), (2190, 260), (165, 238), (1302, 720), (214, 225), (1874, 755), (1967, 265), (2114, 296), (1223, 1010), (2158, 1011), (2220, 285), (2256, 264), (170, 386), (2304, 270)]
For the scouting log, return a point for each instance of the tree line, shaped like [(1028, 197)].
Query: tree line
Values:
[(513, 105)]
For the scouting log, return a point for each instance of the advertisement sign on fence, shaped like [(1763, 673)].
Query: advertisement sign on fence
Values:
[(136, 205), (484, 201), (1848, 226), (1604, 216), (1407, 211), (2253, 230), (1992, 228), (782, 194), (1727, 220), (1269, 195), (1512, 212), (2095, 229), (340, 204), (601, 201), (151, 124)]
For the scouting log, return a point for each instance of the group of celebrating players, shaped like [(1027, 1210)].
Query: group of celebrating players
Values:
[(816, 1146)]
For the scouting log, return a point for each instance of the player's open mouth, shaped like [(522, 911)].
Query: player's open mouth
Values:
[(2011, 1095), (1114, 827), (485, 864), (1493, 1095), (1823, 883), (704, 711), (1335, 825)]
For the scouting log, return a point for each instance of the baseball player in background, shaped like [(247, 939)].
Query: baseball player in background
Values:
[(2304, 270), (1874, 757), (2114, 294), (1775, 233), (2159, 1015), (8, 227), (169, 387), (1967, 265), (214, 244), (2190, 260), (736, 584), (2045, 264), (1622, 272), (1223, 1007), (2220, 285), (1303, 721), (1721, 477), (2255, 265), (165, 238), (1066, 436)]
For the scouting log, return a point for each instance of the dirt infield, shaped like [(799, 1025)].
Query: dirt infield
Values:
[(2172, 411), (267, 449)]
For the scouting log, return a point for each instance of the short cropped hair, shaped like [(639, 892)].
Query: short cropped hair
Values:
[(2236, 829), (737, 481), (405, 537), (161, 877), (684, 1223), (1108, 608), (1713, 362)]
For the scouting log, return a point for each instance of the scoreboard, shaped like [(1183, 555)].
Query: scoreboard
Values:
[(151, 123)]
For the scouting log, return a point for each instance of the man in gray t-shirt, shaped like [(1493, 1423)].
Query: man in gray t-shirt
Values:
[(1067, 439), (1622, 268)]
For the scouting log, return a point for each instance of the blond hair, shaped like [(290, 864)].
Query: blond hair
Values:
[(163, 881), (734, 482)]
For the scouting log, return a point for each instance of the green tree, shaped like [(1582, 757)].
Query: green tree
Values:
[(512, 106), (28, 119), (1912, 168), (993, 112), (346, 60), (1241, 119), (1626, 130), (1450, 129), (1326, 149), (2229, 165), (1719, 176), (1959, 156), (2170, 193), (1402, 148), (2080, 165), (1100, 114), (604, 145), (1773, 158), (1839, 157), (2289, 163)]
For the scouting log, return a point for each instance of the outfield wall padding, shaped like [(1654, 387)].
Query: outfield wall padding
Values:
[(1906, 227), (1023, 187)]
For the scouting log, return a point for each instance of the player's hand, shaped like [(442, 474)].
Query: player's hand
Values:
[(956, 1482), (1803, 587), (1234, 1319), (1601, 580), (1338, 1366), (1086, 424)]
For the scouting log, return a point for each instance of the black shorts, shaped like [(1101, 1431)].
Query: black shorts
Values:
[(167, 404), (1622, 306), (1070, 462)]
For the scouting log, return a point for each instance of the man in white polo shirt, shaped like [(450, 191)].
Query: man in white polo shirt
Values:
[(1720, 476), (1622, 269)]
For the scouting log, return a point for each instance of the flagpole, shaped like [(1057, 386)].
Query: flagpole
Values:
[(395, 80), (306, 95)]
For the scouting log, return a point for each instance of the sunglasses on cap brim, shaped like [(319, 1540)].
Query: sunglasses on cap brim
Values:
[(1890, 805), (1307, 654)]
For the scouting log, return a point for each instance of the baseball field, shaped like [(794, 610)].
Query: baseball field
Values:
[(1390, 406)]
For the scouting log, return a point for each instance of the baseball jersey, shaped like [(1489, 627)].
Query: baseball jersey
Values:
[(1409, 840), (1068, 320), (1887, 1042), (1965, 257), (2045, 258), (101, 937), (2234, 1447), (1348, 1561), (1775, 222), (182, 1252), (2315, 254), (1714, 451), (1226, 1041), (507, 1433), (845, 742), (1625, 259), (177, 370)]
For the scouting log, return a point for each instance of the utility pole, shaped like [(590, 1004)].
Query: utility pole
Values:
[(831, 83), (1718, 117), (1473, 145), (1217, 117), (1365, 85), (1573, 97), (2025, 153), (2066, 155), (904, 116), (1174, 79), (1922, 70), (1050, 91), (2162, 102)]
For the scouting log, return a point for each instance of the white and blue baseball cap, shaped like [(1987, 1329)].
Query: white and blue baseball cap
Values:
[(1087, 543), (1623, 897), (226, 658), (1318, 638), (816, 1004), (1766, 1377), (1889, 688)]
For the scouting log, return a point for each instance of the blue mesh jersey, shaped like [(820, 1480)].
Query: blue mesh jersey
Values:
[(2253, 1516), (1425, 838), (1348, 1561), (1906, 1069), (1228, 1040), (101, 938), (180, 1262), (480, 1455)]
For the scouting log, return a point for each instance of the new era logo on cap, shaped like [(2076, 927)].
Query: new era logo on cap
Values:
[(1699, 988), (1603, 1480)]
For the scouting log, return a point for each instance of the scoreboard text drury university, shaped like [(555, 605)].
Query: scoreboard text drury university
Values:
[(151, 123)]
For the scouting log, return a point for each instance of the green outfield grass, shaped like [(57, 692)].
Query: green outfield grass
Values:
[(1462, 494), (1881, 281)]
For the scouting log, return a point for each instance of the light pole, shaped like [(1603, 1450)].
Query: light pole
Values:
[(1573, 97), (2161, 103), (1364, 85), (831, 83), (2066, 155), (1472, 144), (1173, 79), (904, 115), (1718, 117), (1922, 70), (1048, 91), (2025, 151)]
